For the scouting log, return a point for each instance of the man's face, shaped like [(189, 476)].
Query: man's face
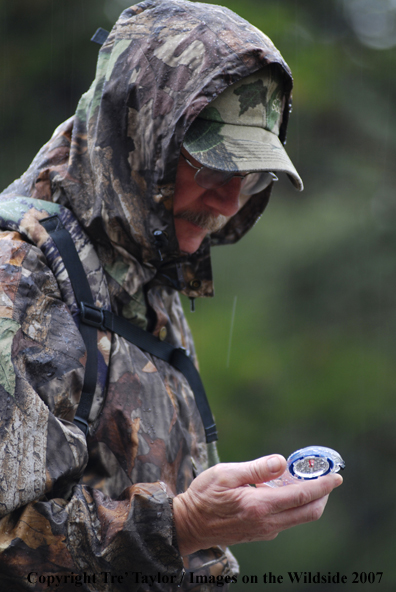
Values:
[(198, 211)]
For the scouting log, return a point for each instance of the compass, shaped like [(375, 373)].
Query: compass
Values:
[(309, 463)]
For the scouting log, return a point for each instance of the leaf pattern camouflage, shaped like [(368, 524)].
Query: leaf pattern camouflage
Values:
[(70, 505), (239, 131), (251, 95)]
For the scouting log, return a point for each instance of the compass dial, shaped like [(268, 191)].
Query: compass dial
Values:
[(310, 467)]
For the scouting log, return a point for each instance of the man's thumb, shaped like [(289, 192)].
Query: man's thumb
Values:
[(261, 470)]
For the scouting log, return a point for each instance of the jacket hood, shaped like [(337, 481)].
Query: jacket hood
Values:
[(162, 63)]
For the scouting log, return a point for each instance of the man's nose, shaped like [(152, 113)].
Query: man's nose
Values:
[(224, 200)]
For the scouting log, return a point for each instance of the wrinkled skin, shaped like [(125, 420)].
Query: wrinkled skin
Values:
[(220, 506), (113, 166)]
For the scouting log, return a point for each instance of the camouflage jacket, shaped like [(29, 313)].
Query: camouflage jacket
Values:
[(97, 513)]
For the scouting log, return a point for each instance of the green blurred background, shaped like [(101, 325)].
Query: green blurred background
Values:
[(298, 345)]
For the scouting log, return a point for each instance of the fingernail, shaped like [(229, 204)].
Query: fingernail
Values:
[(274, 464)]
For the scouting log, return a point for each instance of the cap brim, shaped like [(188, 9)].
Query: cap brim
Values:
[(238, 148)]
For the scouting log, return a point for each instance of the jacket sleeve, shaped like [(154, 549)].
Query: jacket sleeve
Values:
[(51, 525)]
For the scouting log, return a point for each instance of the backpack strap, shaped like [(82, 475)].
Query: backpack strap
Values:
[(61, 237), (93, 318)]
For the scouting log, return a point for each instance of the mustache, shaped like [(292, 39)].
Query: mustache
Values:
[(204, 220)]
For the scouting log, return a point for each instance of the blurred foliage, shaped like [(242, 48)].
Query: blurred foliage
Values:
[(298, 345)]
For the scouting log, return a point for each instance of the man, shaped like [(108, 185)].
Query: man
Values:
[(171, 150)]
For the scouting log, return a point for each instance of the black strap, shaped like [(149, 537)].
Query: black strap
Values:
[(93, 318), (82, 292)]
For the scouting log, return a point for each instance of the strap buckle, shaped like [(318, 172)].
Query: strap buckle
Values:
[(82, 424), (91, 315)]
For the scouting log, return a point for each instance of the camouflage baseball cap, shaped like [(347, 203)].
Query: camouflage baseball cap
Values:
[(239, 130)]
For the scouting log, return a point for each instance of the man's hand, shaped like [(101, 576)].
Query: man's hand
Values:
[(219, 507)]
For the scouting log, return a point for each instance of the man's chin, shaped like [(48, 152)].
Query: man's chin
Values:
[(189, 235), (188, 247)]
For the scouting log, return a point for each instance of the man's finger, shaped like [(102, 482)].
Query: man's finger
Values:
[(301, 515), (302, 494)]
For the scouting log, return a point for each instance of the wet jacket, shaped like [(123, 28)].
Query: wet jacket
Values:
[(96, 513)]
